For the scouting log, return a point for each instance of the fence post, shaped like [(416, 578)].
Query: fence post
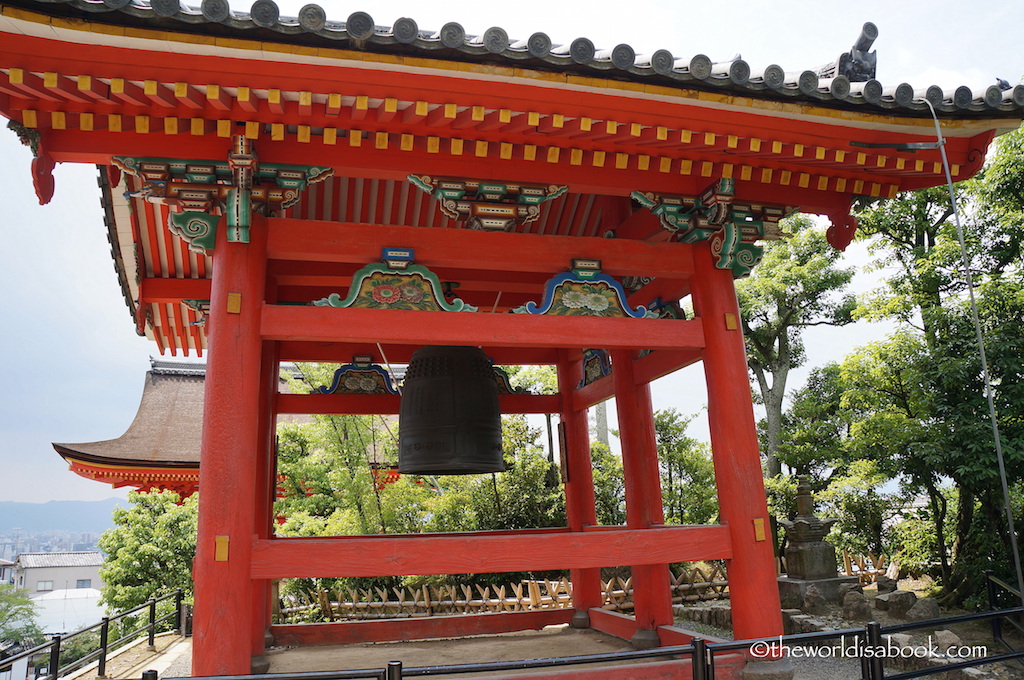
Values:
[(997, 623), (101, 665), (152, 624), (178, 597), (394, 670), (699, 659), (874, 661), (54, 657)]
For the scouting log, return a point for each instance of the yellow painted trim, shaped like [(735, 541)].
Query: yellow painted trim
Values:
[(330, 136)]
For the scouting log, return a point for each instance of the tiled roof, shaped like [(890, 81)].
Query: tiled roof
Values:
[(161, 367), (451, 42), (60, 559)]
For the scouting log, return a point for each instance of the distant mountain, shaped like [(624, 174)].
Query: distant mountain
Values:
[(59, 515)]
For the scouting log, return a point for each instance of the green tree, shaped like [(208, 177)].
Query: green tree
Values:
[(798, 284), (941, 428), (816, 427), (150, 550), (18, 617), (687, 473), (609, 485), (864, 509)]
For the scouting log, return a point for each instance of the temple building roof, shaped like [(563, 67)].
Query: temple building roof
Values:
[(429, 132), (847, 83), (167, 428), (160, 449)]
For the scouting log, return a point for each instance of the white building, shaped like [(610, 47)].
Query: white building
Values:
[(40, 573)]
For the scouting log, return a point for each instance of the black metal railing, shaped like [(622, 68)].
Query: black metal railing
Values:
[(998, 588), (53, 647), (703, 655)]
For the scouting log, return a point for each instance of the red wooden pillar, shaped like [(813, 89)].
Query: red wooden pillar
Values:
[(577, 471), (265, 489), (752, 583), (652, 597), (228, 466)]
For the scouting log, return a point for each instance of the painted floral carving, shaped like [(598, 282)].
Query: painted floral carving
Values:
[(376, 286), (596, 295)]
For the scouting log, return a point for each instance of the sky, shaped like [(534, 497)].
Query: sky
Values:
[(74, 367)]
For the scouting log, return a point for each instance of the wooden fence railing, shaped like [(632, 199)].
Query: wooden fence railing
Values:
[(865, 567), (687, 583)]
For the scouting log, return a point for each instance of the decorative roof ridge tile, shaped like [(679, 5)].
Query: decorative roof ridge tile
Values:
[(581, 56)]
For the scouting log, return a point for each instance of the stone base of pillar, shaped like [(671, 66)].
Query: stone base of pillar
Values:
[(645, 639), (792, 590), (580, 619), (259, 665)]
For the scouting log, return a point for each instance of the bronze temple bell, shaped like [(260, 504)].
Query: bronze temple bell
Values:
[(449, 416)]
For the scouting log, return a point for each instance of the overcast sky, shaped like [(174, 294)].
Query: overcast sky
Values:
[(73, 366)]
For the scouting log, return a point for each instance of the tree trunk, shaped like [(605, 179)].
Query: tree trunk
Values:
[(938, 502)]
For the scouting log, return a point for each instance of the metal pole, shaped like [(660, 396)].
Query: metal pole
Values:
[(997, 623), (981, 351), (152, 624), (874, 636), (699, 659), (177, 611), (54, 657), (101, 666), (394, 670)]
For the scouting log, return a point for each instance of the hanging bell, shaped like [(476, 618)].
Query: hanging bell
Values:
[(449, 416)]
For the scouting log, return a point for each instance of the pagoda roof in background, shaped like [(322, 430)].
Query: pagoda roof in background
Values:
[(163, 441)]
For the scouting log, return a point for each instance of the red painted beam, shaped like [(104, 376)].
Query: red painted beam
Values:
[(342, 352), (472, 554), (355, 632), (386, 404), (313, 241), (594, 393), (153, 290), (646, 369), (655, 365), (622, 626), (327, 324)]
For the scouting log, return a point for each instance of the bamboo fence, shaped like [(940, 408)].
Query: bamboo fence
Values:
[(687, 584)]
